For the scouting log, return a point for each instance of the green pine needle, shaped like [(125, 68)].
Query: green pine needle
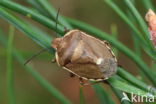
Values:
[(10, 73)]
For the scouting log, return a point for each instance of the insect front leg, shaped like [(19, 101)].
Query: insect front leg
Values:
[(53, 60), (81, 81), (71, 75), (106, 42), (120, 66)]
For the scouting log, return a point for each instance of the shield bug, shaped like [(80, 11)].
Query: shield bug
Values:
[(85, 56)]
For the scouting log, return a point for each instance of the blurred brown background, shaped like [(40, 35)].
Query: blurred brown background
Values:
[(28, 91)]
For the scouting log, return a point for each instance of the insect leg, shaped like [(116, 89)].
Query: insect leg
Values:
[(53, 60), (106, 82), (81, 81), (120, 66), (72, 75), (107, 43), (86, 84), (66, 30)]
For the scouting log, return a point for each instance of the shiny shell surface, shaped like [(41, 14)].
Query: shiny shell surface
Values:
[(85, 56)]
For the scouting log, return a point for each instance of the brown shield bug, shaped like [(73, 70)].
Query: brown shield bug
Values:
[(85, 56)]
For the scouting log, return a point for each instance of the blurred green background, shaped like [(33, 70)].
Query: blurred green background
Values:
[(27, 90)]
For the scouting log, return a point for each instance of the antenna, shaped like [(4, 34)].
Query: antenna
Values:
[(57, 15), (44, 49), (35, 55)]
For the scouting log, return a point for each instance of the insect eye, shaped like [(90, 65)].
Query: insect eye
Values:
[(56, 42)]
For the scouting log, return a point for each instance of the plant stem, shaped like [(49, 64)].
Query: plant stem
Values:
[(44, 83), (130, 78), (33, 15), (52, 12), (119, 94), (82, 100), (146, 44), (140, 20), (115, 36), (148, 4), (102, 94), (130, 88), (10, 79)]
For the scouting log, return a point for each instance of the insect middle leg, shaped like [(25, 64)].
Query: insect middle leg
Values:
[(53, 60), (88, 83)]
